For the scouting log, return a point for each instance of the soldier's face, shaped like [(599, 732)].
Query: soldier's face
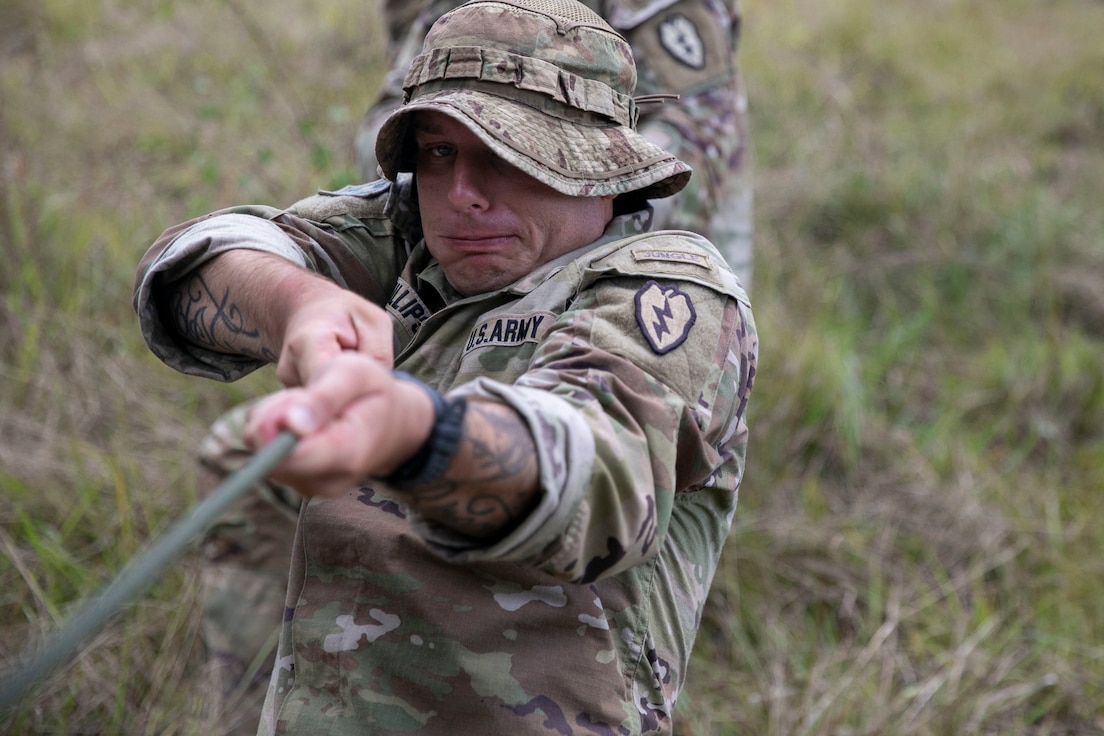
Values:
[(487, 222)]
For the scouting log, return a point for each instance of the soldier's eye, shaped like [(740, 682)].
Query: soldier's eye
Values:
[(438, 150)]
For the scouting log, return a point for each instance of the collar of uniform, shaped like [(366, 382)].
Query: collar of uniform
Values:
[(619, 228), (433, 276)]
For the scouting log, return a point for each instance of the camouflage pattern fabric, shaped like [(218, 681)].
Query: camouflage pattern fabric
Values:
[(686, 47), (244, 576), (548, 90), (632, 359)]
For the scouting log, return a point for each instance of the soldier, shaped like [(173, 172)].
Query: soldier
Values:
[(688, 46), (522, 411), (685, 52)]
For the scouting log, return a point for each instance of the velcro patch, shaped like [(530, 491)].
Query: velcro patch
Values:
[(506, 330), (407, 307), (671, 256), (665, 315)]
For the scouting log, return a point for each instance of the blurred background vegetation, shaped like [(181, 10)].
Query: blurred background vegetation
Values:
[(919, 548)]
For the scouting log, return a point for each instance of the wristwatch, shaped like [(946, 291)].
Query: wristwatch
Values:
[(436, 453)]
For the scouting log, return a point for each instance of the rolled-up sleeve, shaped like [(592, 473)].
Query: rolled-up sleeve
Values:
[(622, 431), (179, 252), (347, 238), (565, 455)]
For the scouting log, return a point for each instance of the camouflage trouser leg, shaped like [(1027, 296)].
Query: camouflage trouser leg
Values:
[(246, 555)]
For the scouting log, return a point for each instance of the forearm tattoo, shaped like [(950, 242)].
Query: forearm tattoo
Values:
[(213, 321), (492, 482)]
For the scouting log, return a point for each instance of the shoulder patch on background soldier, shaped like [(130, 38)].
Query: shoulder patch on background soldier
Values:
[(665, 315), (680, 37), (684, 47)]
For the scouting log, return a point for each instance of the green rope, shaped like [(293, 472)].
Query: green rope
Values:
[(142, 571)]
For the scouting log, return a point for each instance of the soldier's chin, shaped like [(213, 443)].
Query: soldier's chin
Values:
[(471, 278)]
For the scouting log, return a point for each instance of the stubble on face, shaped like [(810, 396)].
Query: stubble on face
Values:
[(487, 222)]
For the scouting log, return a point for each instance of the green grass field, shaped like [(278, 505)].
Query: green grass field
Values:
[(920, 547)]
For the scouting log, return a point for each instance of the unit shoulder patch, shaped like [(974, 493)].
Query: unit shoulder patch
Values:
[(665, 315), (679, 35)]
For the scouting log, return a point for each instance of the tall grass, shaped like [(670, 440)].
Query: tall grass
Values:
[(918, 546), (117, 120), (916, 552)]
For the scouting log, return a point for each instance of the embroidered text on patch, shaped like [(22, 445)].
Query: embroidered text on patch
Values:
[(509, 330), (672, 256), (665, 315), (407, 307)]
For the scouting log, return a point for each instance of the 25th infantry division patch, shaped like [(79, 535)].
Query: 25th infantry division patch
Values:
[(665, 315)]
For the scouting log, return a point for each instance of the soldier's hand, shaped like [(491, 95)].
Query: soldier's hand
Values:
[(355, 420), (327, 321)]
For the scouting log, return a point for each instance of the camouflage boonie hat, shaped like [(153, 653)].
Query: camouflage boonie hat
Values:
[(547, 85)]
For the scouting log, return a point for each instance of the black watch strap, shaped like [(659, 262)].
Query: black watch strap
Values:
[(434, 456)]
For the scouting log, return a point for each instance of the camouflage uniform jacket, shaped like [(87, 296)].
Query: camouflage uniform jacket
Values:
[(632, 360)]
